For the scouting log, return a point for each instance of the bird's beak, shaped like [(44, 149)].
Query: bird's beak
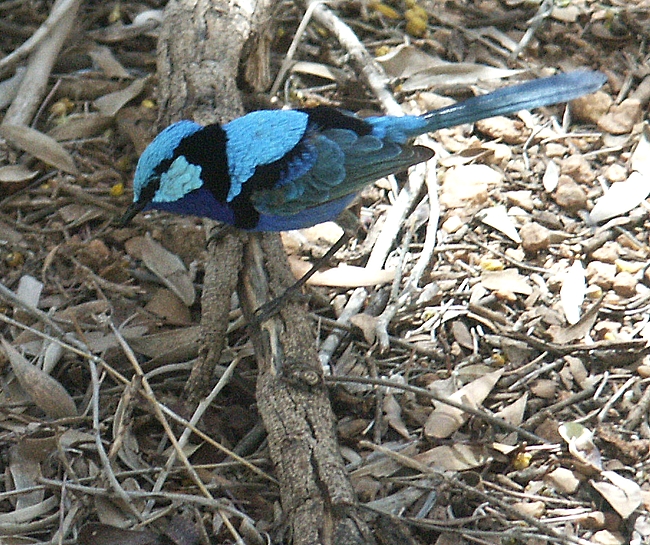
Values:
[(131, 212)]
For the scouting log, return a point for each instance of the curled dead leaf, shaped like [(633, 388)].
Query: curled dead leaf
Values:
[(46, 392)]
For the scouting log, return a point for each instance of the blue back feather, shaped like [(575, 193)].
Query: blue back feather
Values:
[(260, 138)]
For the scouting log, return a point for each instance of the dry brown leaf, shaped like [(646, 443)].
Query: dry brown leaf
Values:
[(25, 459), (169, 306), (167, 267), (514, 413), (46, 392), (112, 103), (95, 533), (84, 126), (565, 335), (497, 217), (445, 420), (103, 57), (393, 415), (16, 173), (624, 495), (507, 280), (367, 324), (40, 146), (343, 276), (459, 457), (581, 444)]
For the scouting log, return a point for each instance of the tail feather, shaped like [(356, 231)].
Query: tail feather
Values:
[(508, 100)]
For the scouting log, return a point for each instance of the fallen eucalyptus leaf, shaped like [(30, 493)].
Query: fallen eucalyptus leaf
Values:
[(40, 146)]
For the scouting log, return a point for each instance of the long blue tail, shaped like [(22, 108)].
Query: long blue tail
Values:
[(525, 96)]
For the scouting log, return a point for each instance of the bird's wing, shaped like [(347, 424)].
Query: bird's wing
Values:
[(260, 138), (342, 164)]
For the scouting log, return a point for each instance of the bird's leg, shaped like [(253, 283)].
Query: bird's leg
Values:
[(270, 309)]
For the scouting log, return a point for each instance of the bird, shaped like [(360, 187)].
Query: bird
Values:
[(279, 170)]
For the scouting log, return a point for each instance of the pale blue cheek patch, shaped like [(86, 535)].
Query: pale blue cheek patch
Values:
[(162, 148), (179, 179)]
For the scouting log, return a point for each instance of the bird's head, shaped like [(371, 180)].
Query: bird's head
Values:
[(162, 173)]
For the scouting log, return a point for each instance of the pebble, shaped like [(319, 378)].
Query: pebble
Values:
[(534, 237), (601, 274), (578, 168), (616, 173), (607, 253), (622, 117), (522, 198), (553, 149), (625, 284), (591, 108), (569, 194)]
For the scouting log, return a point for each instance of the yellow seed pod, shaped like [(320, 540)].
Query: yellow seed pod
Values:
[(491, 264), (499, 360), (416, 11), (385, 10), (123, 163), (116, 14), (62, 107), (148, 104), (416, 26), (522, 460), (14, 259), (117, 190), (382, 50)]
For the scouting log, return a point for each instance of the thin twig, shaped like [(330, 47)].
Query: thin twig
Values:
[(496, 421), (59, 10), (34, 82)]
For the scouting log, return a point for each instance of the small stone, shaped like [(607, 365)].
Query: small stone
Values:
[(631, 267), (622, 117), (553, 149), (570, 195), (534, 508), (544, 388), (616, 173), (523, 198), (643, 371), (452, 224), (534, 237), (508, 130), (563, 480), (468, 184), (568, 14), (578, 168), (625, 284), (591, 108), (601, 274), (629, 243), (605, 537), (607, 253), (607, 330)]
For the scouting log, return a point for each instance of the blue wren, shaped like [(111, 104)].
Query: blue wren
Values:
[(276, 170)]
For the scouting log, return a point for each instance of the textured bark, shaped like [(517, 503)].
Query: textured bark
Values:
[(198, 61), (294, 404), (198, 58)]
